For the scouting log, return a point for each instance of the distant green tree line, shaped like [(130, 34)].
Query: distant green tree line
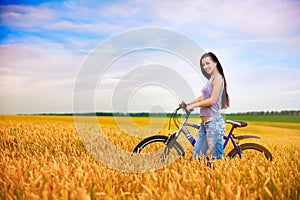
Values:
[(283, 112), (146, 114)]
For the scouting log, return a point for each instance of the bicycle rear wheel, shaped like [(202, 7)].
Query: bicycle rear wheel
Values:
[(250, 150), (155, 143)]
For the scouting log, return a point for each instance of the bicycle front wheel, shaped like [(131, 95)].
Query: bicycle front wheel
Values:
[(251, 150), (155, 143)]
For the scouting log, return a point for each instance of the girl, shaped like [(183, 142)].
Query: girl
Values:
[(214, 97)]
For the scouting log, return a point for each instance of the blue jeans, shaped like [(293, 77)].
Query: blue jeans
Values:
[(210, 137)]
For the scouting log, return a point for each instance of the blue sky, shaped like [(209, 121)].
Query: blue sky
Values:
[(43, 45)]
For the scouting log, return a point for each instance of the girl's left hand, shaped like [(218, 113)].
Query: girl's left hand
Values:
[(190, 108)]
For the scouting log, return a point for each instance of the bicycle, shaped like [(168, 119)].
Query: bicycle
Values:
[(171, 140)]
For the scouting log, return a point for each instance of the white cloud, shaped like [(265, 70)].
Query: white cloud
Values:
[(26, 16), (120, 10), (45, 17), (37, 78), (260, 19), (38, 61), (263, 87), (83, 27), (251, 18)]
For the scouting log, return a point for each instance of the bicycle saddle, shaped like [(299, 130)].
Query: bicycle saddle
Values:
[(237, 123)]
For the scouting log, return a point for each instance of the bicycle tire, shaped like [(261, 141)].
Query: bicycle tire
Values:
[(157, 138), (251, 146)]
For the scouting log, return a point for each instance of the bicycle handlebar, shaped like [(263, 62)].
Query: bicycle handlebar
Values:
[(184, 107)]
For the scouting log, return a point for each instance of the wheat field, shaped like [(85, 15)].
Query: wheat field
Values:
[(42, 157)]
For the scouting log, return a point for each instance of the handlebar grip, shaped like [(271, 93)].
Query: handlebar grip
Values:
[(183, 105)]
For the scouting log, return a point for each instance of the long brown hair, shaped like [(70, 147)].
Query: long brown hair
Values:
[(225, 97)]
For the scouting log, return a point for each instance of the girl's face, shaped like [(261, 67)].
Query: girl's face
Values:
[(209, 65)]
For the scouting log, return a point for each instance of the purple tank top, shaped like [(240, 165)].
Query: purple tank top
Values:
[(213, 110)]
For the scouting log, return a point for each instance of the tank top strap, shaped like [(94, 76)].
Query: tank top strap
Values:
[(217, 75)]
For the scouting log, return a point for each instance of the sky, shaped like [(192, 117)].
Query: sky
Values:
[(45, 46)]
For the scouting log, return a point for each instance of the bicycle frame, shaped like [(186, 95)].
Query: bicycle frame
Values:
[(192, 140)]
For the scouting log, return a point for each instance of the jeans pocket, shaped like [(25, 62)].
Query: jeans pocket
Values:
[(210, 129), (220, 128)]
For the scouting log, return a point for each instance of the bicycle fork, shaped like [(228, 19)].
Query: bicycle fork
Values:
[(173, 138), (170, 143)]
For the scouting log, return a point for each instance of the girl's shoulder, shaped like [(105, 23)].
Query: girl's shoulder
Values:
[(217, 76), (218, 79)]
